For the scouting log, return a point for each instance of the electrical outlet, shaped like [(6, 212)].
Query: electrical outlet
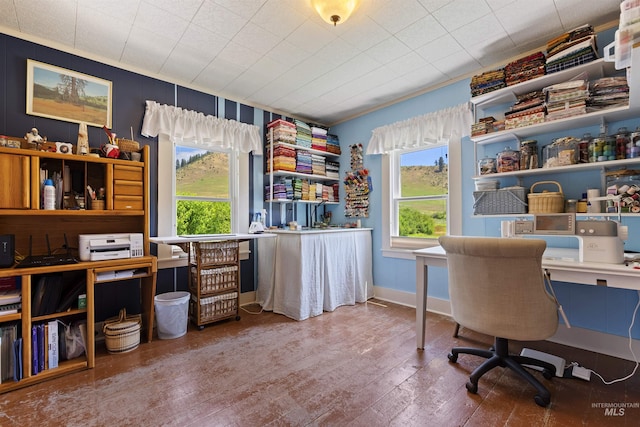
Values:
[(582, 373)]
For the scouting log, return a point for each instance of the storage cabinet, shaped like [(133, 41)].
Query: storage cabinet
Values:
[(14, 173), (214, 281), (38, 231), (484, 104)]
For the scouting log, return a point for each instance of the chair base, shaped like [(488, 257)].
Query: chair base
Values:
[(499, 356)]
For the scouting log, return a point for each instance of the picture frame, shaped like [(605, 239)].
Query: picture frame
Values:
[(61, 94)]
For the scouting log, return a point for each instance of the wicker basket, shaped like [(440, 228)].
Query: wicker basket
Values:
[(214, 307), (509, 200), (225, 252), (127, 145), (546, 201), (216, 279), (122, 333)]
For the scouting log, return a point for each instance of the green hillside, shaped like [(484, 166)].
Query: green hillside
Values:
[(426, 218)]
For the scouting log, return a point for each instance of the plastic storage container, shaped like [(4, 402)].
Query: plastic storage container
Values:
[(529, 154), (508, 160), (172, 314)]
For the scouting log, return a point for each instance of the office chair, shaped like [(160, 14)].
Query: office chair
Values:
[(496, 287)]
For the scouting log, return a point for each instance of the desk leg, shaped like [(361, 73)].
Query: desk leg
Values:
[(91, 319), (147, 294), (421, 300)]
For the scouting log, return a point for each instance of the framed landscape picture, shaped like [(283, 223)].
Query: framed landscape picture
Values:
[(67, 95)]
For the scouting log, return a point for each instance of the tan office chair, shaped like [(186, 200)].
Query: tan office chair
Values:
[(496, 287)]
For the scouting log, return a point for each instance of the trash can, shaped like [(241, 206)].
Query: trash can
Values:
[(172, 314)]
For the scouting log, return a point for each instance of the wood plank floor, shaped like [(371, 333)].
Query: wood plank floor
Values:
[(355, 366)]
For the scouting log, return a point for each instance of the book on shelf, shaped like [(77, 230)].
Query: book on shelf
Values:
[(47, 294), (17, 359), (52, 345), (35, 365), (10, 308), (8, 335), (10, 296)]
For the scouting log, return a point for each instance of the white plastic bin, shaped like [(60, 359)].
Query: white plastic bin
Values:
[(172, 314)]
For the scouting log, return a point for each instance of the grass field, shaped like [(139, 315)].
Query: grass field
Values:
[(426, 181), (67, 110)]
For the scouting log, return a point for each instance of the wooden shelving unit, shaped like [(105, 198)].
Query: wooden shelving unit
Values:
[(126, 189)]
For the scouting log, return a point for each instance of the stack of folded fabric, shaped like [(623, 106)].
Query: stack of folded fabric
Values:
[(523, 69), (608, 92), (567, 99), (303, 162), (303, 134), (336, 192), (333, 144), (311, 194), (304, 189), (487, 82), (333, 169), (318, 165), (297, 188), (284, 159), (484, 126), (528, 110), (279, 191), (318, 138), (575, 47), (281, 131)]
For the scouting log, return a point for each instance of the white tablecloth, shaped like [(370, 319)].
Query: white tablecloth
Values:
[(301, 274)]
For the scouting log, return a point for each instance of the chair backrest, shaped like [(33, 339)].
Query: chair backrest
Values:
[(496, 287)]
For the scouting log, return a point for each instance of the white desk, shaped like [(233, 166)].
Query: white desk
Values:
[(561, 264), (178, 240), (303, 273)]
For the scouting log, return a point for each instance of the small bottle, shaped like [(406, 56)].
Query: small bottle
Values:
[(49, 195)]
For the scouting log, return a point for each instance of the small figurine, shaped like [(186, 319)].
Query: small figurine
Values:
[(83, 140), (33, 137)]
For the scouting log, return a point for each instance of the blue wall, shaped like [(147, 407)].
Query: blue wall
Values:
[(590, 307)]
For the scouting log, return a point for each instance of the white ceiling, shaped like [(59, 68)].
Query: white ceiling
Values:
[(280, 56)]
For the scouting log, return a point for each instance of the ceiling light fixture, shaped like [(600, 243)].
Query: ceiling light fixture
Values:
[(335, 11)]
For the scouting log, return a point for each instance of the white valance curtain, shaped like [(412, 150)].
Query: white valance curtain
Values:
[(195, 127), (440, 126)]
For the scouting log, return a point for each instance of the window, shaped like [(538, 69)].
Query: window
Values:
[(419, 185), (200, 191), (203, 191)]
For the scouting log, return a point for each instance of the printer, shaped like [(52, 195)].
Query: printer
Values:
[(100, 247)]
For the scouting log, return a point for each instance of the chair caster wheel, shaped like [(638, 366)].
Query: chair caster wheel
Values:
[(541, 401), (472, 388), (547, 374), (237, 318), (453, 358), (201, 327)]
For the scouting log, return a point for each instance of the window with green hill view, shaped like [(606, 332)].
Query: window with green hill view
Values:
[(421, 205), (203, 201)]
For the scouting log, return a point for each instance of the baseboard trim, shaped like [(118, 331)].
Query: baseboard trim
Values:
[(585, 339)]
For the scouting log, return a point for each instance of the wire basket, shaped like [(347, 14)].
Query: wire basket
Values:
[(122, 333), (546, 201), (127, 145), (508, 200)]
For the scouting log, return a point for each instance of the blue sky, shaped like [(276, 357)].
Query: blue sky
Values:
[(51, 79), (424, 157)]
